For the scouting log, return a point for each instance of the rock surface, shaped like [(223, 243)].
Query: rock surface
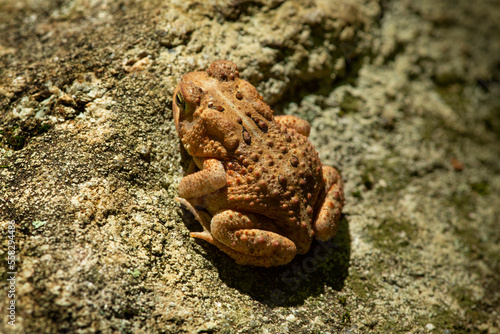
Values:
[(403, 98)]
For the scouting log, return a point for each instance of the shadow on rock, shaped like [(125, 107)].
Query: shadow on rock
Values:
[(326, 263)]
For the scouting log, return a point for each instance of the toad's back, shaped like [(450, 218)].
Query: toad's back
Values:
[(272, 170)]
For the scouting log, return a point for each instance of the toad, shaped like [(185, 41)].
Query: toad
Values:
[(255, 183)]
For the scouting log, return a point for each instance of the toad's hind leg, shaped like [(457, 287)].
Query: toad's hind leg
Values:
[(248, 239), (293, 122), (201, 216), (329, 207)]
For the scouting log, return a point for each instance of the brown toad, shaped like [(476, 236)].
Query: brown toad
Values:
[(259, 190)]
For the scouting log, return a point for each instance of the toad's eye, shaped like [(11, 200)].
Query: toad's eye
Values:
[(179, 100)]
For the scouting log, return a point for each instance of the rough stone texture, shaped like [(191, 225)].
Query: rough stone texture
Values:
[(403, 97)]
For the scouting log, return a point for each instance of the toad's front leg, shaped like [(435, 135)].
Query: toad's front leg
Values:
[(210, 178), (248, 239)]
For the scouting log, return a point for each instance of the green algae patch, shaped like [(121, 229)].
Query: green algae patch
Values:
[(362, 286), (393, 234)]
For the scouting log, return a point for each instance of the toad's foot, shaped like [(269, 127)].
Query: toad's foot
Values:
[(248, 240)]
